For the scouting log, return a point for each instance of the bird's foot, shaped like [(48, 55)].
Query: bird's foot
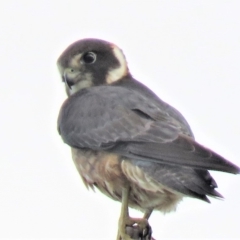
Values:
[(135, 229), (137, 232), (132, 228), (143, 228)]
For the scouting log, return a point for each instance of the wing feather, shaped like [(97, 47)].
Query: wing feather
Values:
[(123, 121)]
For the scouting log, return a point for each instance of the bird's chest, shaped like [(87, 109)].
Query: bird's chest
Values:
[(101, 170)]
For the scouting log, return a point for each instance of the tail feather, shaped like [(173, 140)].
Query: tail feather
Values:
[(180, 152)]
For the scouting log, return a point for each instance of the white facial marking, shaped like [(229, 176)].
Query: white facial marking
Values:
[(84, 83), (74, 62), (121, 71)]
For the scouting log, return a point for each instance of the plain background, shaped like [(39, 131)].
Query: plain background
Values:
[(186, 51)]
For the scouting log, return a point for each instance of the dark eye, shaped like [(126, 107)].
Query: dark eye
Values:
[(89, 57)]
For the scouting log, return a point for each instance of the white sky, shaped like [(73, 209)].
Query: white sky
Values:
[(188, 52)]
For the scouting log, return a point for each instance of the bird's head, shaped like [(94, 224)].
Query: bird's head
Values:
[(91, 62)]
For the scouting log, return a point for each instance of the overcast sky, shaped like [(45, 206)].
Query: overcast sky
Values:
[(188, 52)]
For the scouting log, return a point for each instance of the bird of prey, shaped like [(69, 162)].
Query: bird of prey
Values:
[(125, 140)]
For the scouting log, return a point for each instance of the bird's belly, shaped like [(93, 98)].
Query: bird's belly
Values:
[(110, 174)]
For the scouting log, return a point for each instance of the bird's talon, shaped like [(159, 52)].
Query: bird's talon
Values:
[(147, 232), (138, 228)]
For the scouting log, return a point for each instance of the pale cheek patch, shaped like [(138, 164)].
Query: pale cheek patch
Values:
[(80, 85), (122, 70), (85, 82)]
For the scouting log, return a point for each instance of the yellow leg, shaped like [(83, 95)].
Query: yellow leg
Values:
[(124, 220), (148, 213), (124, 216), (141, 224)]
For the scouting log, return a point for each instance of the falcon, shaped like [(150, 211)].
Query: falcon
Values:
[(126, 141)]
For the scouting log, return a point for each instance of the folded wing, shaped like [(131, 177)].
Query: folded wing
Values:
[(119, 120)]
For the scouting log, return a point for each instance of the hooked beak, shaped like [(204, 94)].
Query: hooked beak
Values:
[(65, 78), (70, 77)]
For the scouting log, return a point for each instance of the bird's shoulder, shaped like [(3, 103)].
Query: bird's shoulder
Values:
[(111, 97), (105, 114), (143, 90)]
